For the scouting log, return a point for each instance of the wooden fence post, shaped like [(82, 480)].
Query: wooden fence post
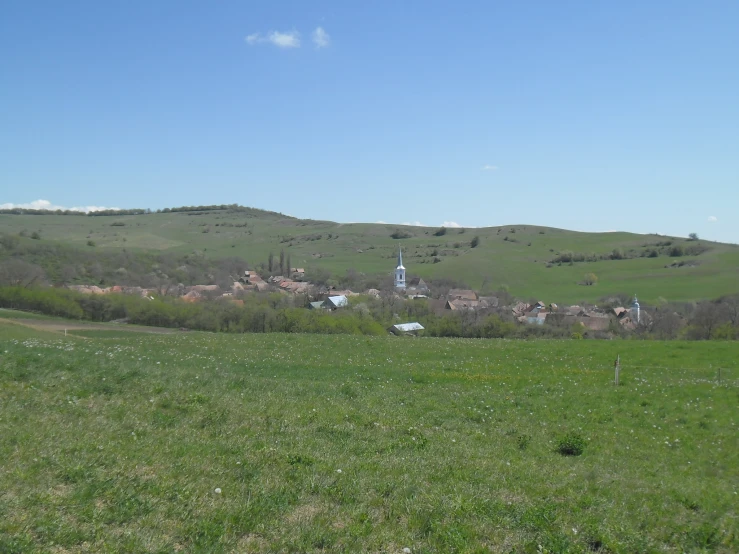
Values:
[(617, 366)]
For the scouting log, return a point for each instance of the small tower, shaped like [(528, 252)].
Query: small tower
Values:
[(400, 272), (635, 311)]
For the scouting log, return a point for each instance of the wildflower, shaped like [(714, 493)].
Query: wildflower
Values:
[(218, 490)]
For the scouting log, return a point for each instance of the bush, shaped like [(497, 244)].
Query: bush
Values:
[(35, 235), (676, 251), (400, 234), (474, 242), (571, 444), (440, 232), (90, 243)]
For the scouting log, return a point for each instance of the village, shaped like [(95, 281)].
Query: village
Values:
[(452, 301)]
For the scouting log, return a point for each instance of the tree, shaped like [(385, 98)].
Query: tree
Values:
[(440, 232), (9, 242), (282, 262), (666, 324), (590, 279), (19, 273), (271, 262), (693, 236), (707, 317), (731, 304), (474, 242), (618, 254)]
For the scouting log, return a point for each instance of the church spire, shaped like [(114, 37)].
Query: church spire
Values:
[(400, 272)]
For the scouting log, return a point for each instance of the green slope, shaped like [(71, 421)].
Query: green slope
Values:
[(515, 256)]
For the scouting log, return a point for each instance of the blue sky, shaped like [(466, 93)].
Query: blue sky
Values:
[(584, 115)]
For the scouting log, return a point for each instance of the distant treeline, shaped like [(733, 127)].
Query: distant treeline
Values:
[(61, 264), (140, 211), (665, 248), (29, 211), (263, 313), (275, 312)]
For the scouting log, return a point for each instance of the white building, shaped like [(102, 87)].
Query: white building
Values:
[(400, 272)]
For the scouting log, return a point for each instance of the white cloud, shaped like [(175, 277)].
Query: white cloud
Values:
[(452, 224), (46, 205), (381, 222), (488, 167), (285, 40), (321, 38), (281, 40), (712, 219), (413, 224)]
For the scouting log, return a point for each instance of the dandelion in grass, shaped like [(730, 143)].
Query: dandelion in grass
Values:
[(218, 490)]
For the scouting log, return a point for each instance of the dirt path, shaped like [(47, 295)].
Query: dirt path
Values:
[(60, 326)]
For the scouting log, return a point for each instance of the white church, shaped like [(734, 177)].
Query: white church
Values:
[(400, 272)]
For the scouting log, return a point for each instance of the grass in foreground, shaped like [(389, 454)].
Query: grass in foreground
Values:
[(324, 443)]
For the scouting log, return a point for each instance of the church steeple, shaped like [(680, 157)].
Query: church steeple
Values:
[(636, 310), (400, 272)]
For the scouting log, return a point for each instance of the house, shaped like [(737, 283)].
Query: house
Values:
[(316, 305), (595, 322), (620, 312), (489, 302), (406, 328), (336, 302), (372, 292), (206, 288), (294, 287), (297, 272), (536, 317), (461, 294), (337, 292), (520, 309), (251, 278), (416, 285), (459, 304), (192, 296)]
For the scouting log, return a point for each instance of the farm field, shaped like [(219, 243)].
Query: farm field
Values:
[(515, 256), (200, 442)]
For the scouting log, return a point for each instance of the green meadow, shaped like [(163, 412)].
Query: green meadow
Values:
[(515, 256), (195, 442)]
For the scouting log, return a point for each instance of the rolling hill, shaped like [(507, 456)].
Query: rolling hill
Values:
[(532, 261)]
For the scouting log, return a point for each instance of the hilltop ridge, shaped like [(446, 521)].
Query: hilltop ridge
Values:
[(531, 261)]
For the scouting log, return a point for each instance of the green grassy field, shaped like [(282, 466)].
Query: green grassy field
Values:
[(518, 262), (273, 443)]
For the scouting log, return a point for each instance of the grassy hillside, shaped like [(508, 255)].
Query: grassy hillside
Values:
[(515, 256), (271, 443)]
